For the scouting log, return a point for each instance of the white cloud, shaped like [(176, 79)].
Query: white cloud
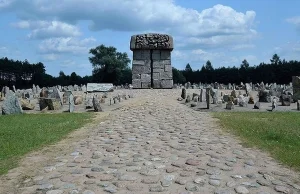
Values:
[(210, 27), (294, 20), (48, 29), (50, 57), (289, 50), (5, 3), (3, 49), (67, 45), (242, 46)]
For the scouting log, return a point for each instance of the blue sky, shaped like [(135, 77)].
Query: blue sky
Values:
[(59, 33)]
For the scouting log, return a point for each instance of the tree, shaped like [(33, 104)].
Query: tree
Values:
[(244, 64), (275, 59), (178, 76), (188, 68), (244, 71), (74, 78), (108, 64), (208, 66)]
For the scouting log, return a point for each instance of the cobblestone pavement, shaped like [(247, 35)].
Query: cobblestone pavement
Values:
[(161, 147)]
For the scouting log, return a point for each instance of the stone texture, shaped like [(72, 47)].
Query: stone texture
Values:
[(11, 105), (50, 103), (71, 103), (151, 65), (296, 87), (99, 87)]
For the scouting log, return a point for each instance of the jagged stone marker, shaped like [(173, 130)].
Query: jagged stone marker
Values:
[(151, 64)]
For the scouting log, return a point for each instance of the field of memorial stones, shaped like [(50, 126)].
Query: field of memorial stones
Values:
[(154, 144), (59, 99), (244, 97)]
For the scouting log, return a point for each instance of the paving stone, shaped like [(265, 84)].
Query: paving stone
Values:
[(282, 189), (223, 191), (241, 190), (47, 186), (88, 192), (135, 187), (111, 189), (150, 172), (150, 180), (156, 188), (127, 178), (193, 162), (54, 192), (191, 187), (214, 182)]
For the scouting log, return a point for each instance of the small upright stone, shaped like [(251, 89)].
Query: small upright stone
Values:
[(11, 105), (96, 105), (274, 104), (230, 105), (183, 93), (188, 99), (71, 103), (257, 105)]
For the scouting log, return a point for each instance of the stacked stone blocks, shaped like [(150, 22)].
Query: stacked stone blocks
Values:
[(151, 65)]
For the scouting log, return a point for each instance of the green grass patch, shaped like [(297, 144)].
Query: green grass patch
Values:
[(20, 134), (276, 132)]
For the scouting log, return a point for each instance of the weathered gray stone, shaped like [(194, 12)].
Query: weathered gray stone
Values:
[(51, 103), (11, 105), (230, 105), (151, 41), (183, 93), (286, 100), (151, 65), (71, 103), (96, 104), (100, 87), (166, 83), (296, 87)]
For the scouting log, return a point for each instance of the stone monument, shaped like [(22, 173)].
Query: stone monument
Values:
[(296, 88), (151, 64)]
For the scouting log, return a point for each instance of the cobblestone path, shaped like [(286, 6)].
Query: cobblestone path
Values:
[(161, 147)]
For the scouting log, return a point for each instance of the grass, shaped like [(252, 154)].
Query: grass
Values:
[(20, 134), (278, 133)]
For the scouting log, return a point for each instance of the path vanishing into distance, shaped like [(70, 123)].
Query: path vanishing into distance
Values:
[(153, 144)]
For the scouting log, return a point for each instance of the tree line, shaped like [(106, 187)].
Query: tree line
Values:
[(277, 70), (111, 66)]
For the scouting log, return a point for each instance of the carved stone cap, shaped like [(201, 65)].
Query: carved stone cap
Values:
[(151, 41)]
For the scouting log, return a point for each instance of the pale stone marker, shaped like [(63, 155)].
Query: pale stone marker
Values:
[(99, 87), (208, 97), (151, 64), (71, 103), (11, 104), (201, 95), (296, 87), (96, 104)]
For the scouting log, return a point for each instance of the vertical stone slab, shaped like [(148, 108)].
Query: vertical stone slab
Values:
[(296, 87), (11, 105), (208, 97), (151, 65), (71, 103), (201, 95)]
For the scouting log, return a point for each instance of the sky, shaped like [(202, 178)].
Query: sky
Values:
[(60, 33)]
